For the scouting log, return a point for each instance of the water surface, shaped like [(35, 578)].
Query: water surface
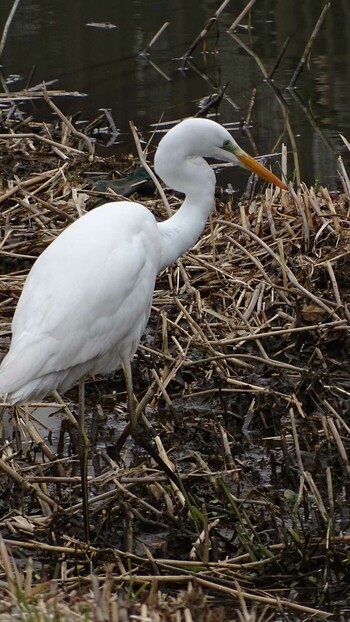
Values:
[(52, 40)]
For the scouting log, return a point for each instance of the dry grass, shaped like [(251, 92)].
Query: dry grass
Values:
[(245, 364)]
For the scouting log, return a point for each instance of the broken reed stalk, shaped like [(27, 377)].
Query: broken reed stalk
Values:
[(213, 102), (33, 93), (43, 139), (249, 51), (266, 600), (8, 26), (344, 178), (308, 47), (203, 33), (83, 137), (248, 117), (278, 59), (213, 86), (154, 39), (241, 15), (345, 141)]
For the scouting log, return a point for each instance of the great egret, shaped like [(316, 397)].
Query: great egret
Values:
[(87, 298)]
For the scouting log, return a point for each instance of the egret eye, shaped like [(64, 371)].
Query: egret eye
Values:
[(226, 144)]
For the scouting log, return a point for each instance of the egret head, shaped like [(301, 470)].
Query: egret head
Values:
[(208, 139)]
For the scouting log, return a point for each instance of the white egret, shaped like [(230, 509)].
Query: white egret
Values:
[(87, 298)]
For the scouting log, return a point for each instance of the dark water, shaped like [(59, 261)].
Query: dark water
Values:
[(105, 64)]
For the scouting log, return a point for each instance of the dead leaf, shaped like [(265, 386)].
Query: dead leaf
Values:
[(312, 313)]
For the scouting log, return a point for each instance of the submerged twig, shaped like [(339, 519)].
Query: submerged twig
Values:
[(203, 33), (7, 26), (278, 59), (154, 39), (308, 47), (241, 15)]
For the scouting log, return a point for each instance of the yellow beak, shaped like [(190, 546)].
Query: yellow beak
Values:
[(253, 165)]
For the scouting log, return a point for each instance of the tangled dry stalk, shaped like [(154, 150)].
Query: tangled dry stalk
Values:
[(245, 370)]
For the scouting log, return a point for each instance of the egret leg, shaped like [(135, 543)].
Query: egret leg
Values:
[(83, 457), (131, 397)]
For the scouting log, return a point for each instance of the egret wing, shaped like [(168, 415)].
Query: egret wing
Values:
[(88, 292)]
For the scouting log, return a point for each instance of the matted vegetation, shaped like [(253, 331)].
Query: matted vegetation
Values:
[(245, 367)]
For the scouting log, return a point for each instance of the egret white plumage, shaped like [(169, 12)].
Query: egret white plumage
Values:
[(87, 298)]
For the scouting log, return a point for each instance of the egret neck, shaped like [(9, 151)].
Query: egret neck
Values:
[(192, 176)]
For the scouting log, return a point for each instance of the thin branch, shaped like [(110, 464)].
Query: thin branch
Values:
[(240, 16), (7, 26), (203, 33), (308, 47), (154, 39)]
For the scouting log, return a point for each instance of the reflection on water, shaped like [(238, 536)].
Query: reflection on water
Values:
[(106, 64), (46, 421), (46, 430)]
